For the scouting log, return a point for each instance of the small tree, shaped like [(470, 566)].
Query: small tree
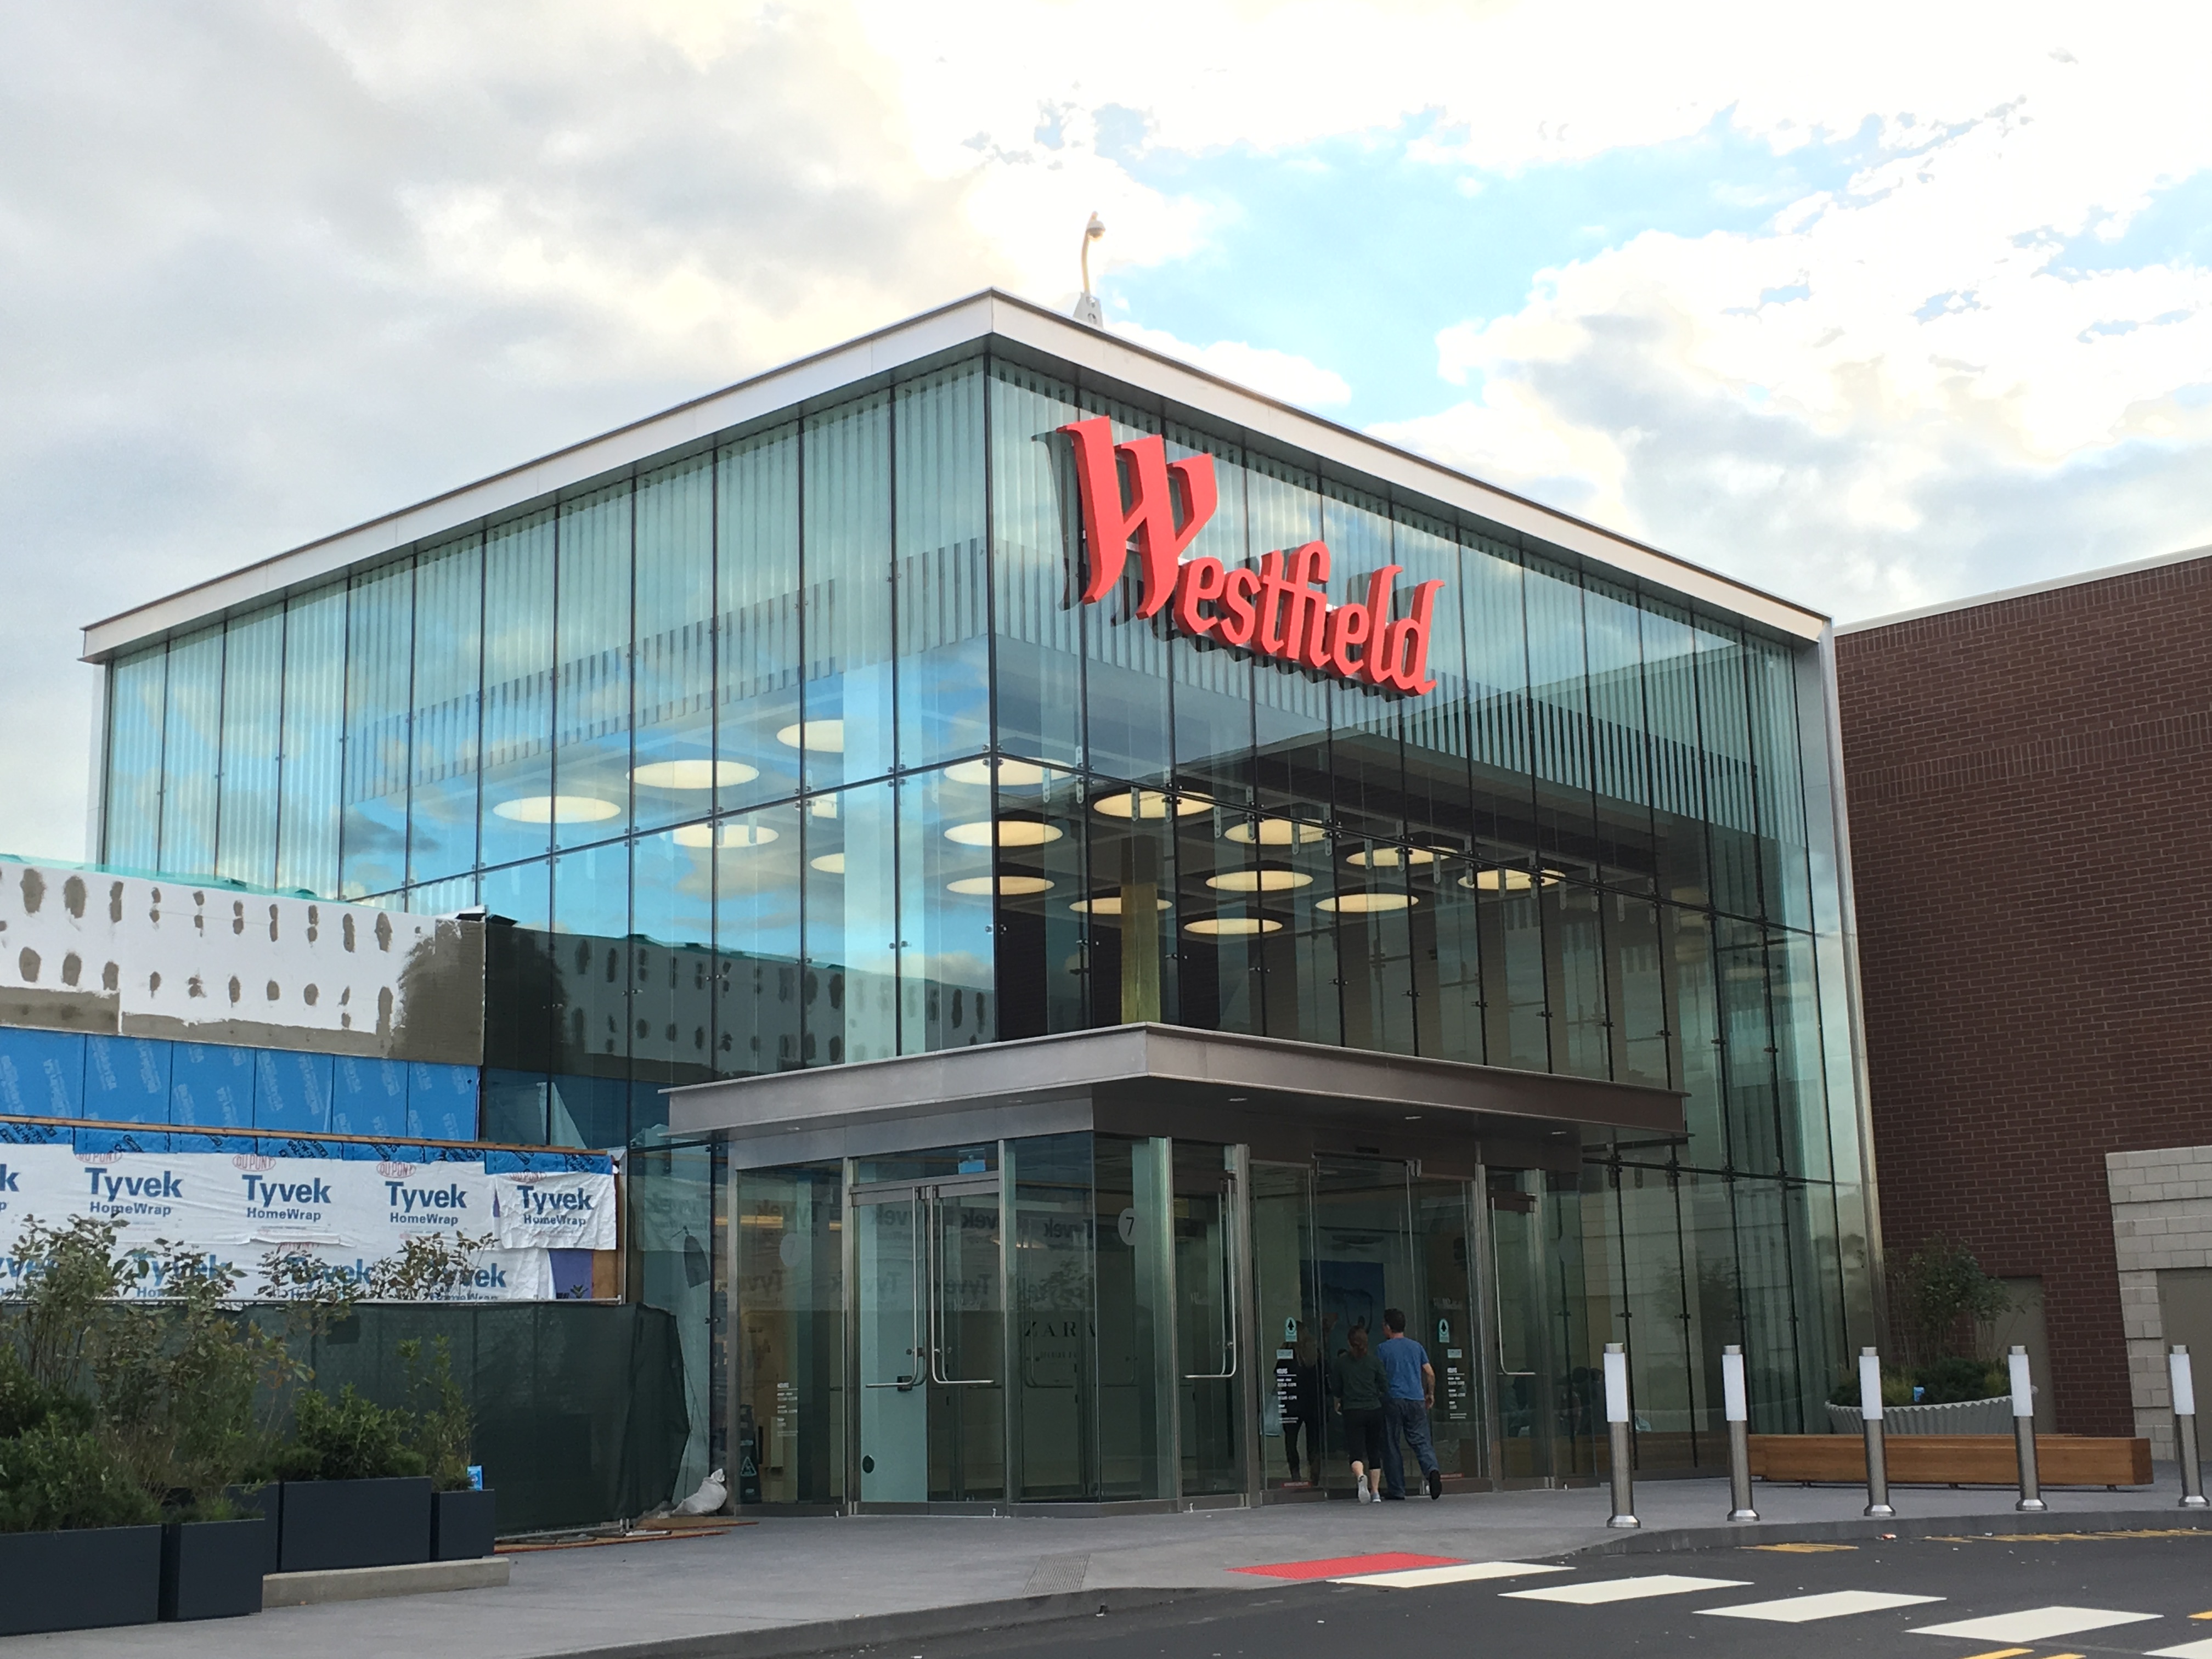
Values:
[(1938, 1296), (350, 1437)]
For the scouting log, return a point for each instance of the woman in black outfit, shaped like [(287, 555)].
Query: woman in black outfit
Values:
[(1356, 1381), (1299, 1394)]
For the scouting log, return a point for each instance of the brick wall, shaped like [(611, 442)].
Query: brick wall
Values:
[(2030, 784)]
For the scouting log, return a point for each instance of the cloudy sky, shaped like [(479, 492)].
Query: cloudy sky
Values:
[(1871, 305)]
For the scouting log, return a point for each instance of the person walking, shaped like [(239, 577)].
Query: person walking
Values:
[(1412, 1388), (1298, 1399), (1356, 1379)]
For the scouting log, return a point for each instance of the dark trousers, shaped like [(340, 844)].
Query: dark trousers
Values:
[(1290, 1427), (1411, 1418), (1363, 1437)]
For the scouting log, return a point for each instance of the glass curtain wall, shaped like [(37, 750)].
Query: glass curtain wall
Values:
[(809, 708)]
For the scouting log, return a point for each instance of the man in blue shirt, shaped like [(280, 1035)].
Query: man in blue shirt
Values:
[(1413, 1391)]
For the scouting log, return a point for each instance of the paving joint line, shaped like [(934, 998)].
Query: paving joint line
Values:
[(1669, 1541)]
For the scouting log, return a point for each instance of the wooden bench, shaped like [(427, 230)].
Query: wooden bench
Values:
[(1952, 1460)]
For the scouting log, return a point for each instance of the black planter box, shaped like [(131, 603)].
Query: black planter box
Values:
[(79, 1580), (354, 1523), (267, 1502), (213, 1569), (462, 1525)]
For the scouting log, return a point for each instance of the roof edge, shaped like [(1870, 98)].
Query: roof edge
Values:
[(2026, 590), (973, 318)]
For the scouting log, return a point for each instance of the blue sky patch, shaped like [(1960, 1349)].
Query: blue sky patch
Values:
[(1354, 254)]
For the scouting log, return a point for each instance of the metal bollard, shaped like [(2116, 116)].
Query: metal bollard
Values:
[(2184, 1427), (1735, 1406), (1871, 1411), (2023, 1429), (1616, 1417)]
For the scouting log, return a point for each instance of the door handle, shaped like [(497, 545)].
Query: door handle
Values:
[(937, 1308), (1229, 1218)]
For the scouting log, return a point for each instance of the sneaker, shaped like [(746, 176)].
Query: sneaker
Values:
[(1436, 1483), (1365, 1495), (1394, 1497)]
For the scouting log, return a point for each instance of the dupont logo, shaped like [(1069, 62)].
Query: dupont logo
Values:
[(1278, 609)]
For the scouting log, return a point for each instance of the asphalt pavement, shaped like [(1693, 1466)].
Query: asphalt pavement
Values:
[(2054, 1596)]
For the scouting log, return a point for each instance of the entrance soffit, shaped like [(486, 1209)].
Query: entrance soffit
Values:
[(1167, 1067)]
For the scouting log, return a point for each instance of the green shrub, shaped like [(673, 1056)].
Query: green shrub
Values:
[(348, 1438), (1947, 1381), (444, 1426), (1943, 1382), (25, 1403), (55, 1477)]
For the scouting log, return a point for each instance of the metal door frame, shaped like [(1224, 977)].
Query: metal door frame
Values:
[(918, 1190)]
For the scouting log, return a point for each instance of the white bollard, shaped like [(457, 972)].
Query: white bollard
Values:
[(1616, 1418), (1735, 1406), (2184, 1426), (2023, 1429), (1877, 1462)]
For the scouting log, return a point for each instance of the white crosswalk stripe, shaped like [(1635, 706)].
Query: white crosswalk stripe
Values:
[(2185, 1651), (1597, 1593), (1804, 1609), (1463, 1572), (2034, 1623)]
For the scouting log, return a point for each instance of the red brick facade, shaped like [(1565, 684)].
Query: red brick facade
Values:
[(2030, 784)]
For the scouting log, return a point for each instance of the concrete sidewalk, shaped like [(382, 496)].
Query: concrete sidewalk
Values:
[(749, 1593)]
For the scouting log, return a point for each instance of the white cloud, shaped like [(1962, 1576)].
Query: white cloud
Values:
[(1919, 327), (276, 266), (1281, 374)]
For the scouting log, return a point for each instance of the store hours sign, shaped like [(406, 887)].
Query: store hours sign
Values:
[(1278, 609)]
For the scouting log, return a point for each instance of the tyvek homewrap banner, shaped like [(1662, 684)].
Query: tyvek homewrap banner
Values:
[(570, 1210), (238, 1207)]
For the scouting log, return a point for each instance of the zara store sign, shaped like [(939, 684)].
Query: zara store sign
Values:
[(1278, 609)]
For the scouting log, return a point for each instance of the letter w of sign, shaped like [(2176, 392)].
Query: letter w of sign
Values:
[(1158, 487)]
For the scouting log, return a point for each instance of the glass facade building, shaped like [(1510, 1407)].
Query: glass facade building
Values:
[(786, 744)]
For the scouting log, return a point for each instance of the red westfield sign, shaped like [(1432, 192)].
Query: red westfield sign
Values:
[(1280, 609)]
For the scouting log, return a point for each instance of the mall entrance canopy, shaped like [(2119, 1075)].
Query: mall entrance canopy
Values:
[(1115, 1266)]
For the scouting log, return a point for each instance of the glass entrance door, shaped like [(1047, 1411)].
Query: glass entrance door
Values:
[(1525, 1388), (929, 1301)]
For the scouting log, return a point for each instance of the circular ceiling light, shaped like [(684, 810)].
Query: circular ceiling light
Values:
[(1016, 773), (1006, 832), (730, 835), (824, 737), (1275, 832), (1107, 904), (829, 864), (1352, 904), (557, 809), (1232, 926), (1006, 886), (1259, 881), (1508, 879), (1391, 858), (1150, 804), (693, 773)]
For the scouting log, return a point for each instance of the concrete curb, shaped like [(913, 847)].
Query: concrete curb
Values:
[(788, 1641), (1913, 1526), (309, 1590)]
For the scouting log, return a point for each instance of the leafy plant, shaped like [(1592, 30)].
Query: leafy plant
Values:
[(444, 1425), (179, 1381), (1938, 1295), (54, 1477), (348, 1438), (1947, 1381)]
